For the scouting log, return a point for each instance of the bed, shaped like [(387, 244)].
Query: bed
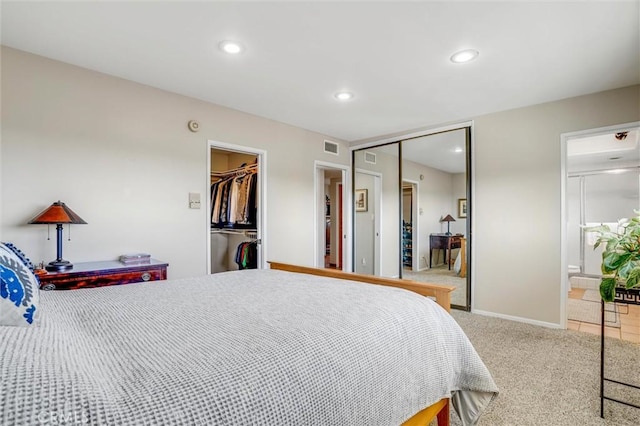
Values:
[(263, 347)]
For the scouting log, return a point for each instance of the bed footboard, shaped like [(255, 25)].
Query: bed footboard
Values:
[(439, 410), (442, 293)]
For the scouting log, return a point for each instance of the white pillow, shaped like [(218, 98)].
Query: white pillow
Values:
[(19, 288)]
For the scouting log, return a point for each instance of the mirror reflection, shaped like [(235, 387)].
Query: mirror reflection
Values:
[(412, 213), (376, 211), (435, 211)]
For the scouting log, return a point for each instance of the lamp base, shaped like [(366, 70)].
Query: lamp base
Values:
[(58, 265)]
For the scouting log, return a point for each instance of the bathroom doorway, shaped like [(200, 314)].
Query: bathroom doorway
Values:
[(601, 186)]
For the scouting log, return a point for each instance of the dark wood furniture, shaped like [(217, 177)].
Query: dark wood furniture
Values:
[(443, 242), (103, 273)]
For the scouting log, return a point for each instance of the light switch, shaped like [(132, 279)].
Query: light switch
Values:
[(194, 200)]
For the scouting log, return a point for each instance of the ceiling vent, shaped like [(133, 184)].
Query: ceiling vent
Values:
[(330, 147), (369, 157)]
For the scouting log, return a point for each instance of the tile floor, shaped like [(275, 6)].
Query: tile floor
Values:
[(629, 321)]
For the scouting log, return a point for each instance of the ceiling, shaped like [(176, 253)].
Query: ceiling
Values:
[(604, 152), (394, 56), (442, 151)]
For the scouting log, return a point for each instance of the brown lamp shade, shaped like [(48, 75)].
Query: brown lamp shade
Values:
[(57, 212), (447, 218)]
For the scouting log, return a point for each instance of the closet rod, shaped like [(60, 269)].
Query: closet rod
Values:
[(247, 232), (244, 169)]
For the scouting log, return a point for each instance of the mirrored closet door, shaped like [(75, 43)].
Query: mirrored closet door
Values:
[(376, 183), (412, 211)]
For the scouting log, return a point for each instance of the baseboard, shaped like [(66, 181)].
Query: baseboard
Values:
[(517, 319)]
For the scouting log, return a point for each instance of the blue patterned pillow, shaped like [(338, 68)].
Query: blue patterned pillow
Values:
[(19, 288)]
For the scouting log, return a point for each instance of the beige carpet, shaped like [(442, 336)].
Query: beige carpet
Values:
[(587, 309), (442, 275), (550, 377)]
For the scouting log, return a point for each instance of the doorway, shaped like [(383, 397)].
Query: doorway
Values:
[(236, 213), (410, 226), (331, 226), (601, 172)]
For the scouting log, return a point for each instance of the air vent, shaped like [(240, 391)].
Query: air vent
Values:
[(369, 157), (330, 147)]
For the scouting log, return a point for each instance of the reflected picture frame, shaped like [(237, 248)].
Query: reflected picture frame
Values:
[(361, 200), (462, 208)]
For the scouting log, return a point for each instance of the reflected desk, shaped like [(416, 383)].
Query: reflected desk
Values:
[(443, 242)]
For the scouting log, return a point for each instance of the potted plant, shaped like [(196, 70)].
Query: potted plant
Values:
[(620, 256)]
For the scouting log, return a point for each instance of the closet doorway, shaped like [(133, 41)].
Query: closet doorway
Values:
[(235, 207), (331, 227)]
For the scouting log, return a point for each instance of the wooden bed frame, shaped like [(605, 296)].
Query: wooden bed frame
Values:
[(442, 294)]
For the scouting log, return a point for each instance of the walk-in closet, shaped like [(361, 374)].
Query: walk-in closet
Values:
[(234, 210)]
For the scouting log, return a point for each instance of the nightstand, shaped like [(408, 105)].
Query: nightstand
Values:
[(103, 273)]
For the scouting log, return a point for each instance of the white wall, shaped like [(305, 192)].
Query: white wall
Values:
[(435, 199), (517, 199), (120, 155), (459, 191)]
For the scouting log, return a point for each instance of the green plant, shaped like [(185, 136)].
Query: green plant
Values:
[(620, 256)]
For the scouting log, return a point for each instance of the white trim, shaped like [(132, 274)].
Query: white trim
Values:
[(346, 217), (425, 132), (517, 319), (564, 263), (261, 218)]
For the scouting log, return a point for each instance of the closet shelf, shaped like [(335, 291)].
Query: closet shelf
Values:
[(251, 168)]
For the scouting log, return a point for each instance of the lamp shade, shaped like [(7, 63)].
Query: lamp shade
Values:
[(57, 212), (447, 218)]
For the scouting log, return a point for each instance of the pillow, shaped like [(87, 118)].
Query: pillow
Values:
[(19, 288)]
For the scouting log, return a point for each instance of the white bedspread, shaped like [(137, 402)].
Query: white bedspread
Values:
[(259, 347)]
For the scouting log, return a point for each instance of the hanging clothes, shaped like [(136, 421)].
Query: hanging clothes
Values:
[(233, 200), (247, 255)]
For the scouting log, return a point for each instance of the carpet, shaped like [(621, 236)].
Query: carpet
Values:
[(442, 275), (551, 377), (587, 309)]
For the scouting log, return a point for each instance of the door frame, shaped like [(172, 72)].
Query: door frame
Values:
[(564, 257), (319, 216), (261, 216), (415, 225)]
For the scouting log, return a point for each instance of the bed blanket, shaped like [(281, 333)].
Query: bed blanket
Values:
[(252, 347)]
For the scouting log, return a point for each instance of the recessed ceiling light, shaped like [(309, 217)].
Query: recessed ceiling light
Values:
[(464, 56), (457, 149), (232, 47), (343, 96)]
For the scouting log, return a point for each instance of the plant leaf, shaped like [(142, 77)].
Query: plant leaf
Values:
[(633, 277), (608, 289)]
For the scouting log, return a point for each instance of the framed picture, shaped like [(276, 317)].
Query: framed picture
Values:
[(362, 200), (462, 207)]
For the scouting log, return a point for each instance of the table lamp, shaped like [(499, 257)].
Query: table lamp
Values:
[(58, 214), (448, 218)]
